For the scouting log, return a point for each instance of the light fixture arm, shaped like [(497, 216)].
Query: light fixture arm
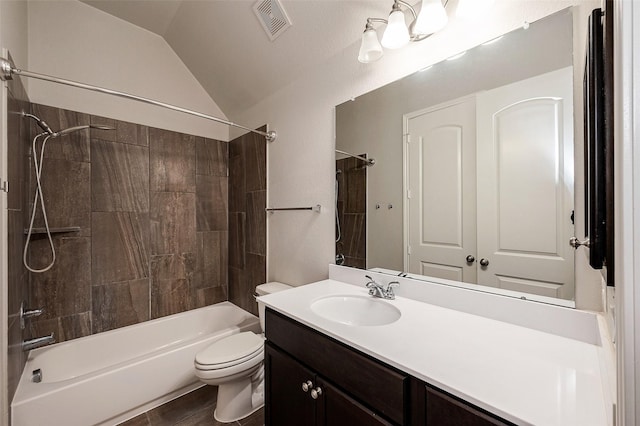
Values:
[(370, 21), (397, 3)]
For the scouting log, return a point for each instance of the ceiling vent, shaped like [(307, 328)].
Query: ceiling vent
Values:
[(272, 16)]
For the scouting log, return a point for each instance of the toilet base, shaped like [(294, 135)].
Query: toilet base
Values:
[(240, 398)]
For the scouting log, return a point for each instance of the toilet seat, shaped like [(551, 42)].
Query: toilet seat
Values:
[(230, 355)]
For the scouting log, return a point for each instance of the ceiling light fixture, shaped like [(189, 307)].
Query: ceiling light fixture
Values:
[(432, 18)]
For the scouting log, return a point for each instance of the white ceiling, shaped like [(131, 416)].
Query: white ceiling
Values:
[(224, 46)]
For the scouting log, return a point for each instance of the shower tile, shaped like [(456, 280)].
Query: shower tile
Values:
[(356, 190), (255, 154), (256, 237), (353, 235), (119, 177), (237, 240), (242, 283), (124, 132), (212, 157), (354, 262), (64, 289), (16, 357), (171, 277), (17, 136), (120, 247), (67, 195), (211, 203), (173, 222), (74, 326), (172, 161), (72, 147), (237, 185), (105, 135), (211, 266), (237, 284), (120, 304), (256, 275), (17, 288), (209, 284), (201, 297), (135, 134)]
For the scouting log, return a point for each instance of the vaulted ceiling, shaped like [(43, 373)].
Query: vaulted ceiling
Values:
[(225, 47)]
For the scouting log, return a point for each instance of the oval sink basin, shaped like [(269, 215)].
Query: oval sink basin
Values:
[(356, 310)]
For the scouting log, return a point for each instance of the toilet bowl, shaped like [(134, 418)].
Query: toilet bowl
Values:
[(234, 364)]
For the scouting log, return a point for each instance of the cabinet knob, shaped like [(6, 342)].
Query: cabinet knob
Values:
[(315, 393), (470, 259), (307, 385), (484, 262)]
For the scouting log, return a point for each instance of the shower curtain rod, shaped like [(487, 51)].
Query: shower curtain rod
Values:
[(7, 70), (369, 161)]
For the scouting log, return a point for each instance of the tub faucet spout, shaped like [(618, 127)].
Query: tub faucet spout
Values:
[(29, 344)]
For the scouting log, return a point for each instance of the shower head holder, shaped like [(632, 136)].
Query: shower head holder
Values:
[(6, 69)]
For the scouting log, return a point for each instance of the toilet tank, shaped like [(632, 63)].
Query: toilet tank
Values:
[(268, 288)]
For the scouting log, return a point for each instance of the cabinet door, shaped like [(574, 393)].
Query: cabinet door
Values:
[(445, 410), (336, 408), (286, 403)]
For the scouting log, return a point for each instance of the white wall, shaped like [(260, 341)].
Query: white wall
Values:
[(13, 39), (301, 162), (75, 41)]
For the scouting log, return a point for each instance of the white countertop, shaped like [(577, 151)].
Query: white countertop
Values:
[(523, 375)]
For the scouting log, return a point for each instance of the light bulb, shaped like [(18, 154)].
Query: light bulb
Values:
[(432, 18), (396, 34), (370, 49), (473, 9)]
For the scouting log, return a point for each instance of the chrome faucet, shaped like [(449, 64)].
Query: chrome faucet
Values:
[(378, 290), (29, 344)]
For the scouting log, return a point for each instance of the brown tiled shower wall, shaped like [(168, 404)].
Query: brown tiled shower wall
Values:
[(18, 137), (352, 211), (152, 207), (247, 219)]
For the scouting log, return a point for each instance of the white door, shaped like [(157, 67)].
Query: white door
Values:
[(525, 185), (441, 191)]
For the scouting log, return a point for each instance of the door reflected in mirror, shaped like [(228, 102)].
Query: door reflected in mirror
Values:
[(473, 182)]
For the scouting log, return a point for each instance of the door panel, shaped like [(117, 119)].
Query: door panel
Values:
[(441, 181), (525, 182), (336, 408), (297, 408), (441, 271)]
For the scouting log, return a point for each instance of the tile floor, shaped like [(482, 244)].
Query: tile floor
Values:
[(193, 409)]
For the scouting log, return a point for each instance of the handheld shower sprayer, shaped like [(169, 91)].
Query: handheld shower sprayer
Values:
[(38, 158), (43, 125), (76, 128)]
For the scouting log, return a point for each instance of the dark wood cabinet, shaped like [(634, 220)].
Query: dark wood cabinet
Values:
[(319, 404), (347, 387), (443, 409)]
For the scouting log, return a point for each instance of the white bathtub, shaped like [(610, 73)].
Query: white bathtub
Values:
[(110, 377)]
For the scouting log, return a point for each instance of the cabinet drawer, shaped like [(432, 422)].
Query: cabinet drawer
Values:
[(380, 387), (443, 409)]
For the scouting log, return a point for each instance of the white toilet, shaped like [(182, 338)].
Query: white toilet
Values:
[(234, 364)]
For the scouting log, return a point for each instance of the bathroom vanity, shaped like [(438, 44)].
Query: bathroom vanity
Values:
[(431, 364), (315, 380)]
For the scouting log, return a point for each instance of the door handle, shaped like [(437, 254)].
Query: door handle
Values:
[(575, 243), (470, 259), (484, 262)]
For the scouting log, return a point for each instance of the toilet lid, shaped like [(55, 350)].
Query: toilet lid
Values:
[(234, 347)]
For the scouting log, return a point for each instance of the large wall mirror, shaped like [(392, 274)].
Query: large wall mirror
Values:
[(473, 181)]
